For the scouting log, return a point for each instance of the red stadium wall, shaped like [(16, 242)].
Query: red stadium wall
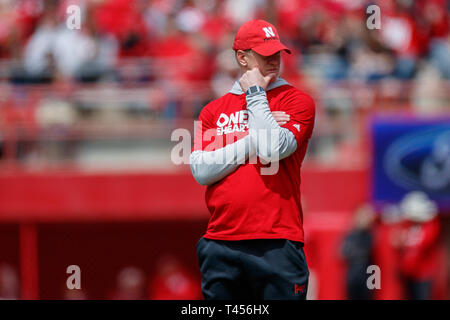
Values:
[(103, 222)]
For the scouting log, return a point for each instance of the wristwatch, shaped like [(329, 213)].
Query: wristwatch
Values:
[(254, 89)]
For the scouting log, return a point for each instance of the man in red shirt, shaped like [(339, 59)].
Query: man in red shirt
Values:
[(248, 149), (419, 245)]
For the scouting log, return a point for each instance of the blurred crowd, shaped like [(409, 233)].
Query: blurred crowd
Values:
[(165, 59), (192, 39)]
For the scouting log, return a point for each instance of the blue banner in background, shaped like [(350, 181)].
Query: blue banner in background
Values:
[(411, 154)]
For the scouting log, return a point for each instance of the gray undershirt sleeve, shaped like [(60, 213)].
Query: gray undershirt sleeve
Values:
[(209, 167), (272, 142)]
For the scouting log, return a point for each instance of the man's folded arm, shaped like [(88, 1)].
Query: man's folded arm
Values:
[(208, 167), (272, 142)]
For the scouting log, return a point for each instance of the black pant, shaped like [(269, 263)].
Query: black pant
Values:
[(273, 269)]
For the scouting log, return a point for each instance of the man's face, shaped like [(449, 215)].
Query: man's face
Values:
[(266, 65)]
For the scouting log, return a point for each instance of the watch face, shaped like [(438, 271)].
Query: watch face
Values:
[(254, 89)]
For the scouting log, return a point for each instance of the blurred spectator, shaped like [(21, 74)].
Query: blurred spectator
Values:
[(191, 18), (357, 251), (130, 284), (240, 11), (18, 21), (9, 283), (172, 281), (125, 21), (227, 72), (400, 34), (418, 245), (440, 56), (39, 60)]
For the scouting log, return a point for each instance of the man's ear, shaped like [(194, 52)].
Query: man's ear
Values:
[(241, 58)]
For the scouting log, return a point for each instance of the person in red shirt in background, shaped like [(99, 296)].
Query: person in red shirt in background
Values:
[(124, 20), (418, 245)]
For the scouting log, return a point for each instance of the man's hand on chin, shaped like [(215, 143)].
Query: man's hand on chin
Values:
[(254, 77)]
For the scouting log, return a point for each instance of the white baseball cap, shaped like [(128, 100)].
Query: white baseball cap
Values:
[(417, 206)]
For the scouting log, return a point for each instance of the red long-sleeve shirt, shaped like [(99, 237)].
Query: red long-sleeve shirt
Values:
[(246, 204), (420, 251)]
